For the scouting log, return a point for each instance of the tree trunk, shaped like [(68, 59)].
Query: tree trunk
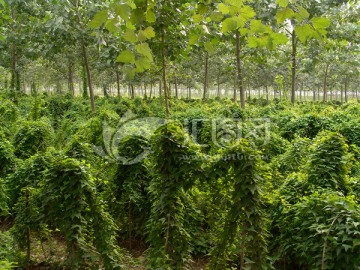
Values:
[(176, 88), (132, 89), (342, 94), (267, 91), (13, 68), (88, 74), (145, 90), (151, 89), (314, 94), (85, 83), (218, 84), (206, 75), (167, 109), (325, 83), (239, 72), (293, 67), (71, 78), (189, 92), (118, 82), (345, 90)]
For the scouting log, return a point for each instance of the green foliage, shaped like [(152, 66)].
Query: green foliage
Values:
[(294, 157), (8, 256), (329, 162), (33, 137), (322, 223), (168, 236), (306, 126), (8, 111), (70, 202), (244, 219), (130, 203), (7, 157)]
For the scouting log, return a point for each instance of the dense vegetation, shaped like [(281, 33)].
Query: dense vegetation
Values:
[(295, 49), (161, 134), (288, 199)]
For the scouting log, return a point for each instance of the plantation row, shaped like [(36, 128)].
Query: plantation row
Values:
[(273, 186)]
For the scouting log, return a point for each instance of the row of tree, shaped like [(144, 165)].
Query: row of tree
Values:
[(284, 46)]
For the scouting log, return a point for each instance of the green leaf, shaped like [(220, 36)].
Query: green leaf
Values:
[(142, 63), (130, 36), (129, 25), (99, 19), (194, 38), (197, 18), (258, 27), (228, 25), (126, 57), (216, 16), (320, 22), (284, 14), (304, 32), (144, 49), (129, 73), (224, 9), (282, 3), (235, 3), (279, 38), (111, 26), (123, 10), (252, 42), (149, 32), (202, 9), (240, 21), (304, 14), (150, 16), (209, 47), (247, 12)]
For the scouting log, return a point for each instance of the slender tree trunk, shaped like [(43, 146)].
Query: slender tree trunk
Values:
[(85, 83), (206, 75), (314, 94), (189, 92), (342, 94), (176, 88), (118, 82), (293, 67), (318, 92), (13, 68), (132, 89), (345, 90), (71, 78), (145, 90), (89, 80), (151, 90), (160, 90), (167, 109), (218, 84), (235, 88), (325, 83), (239, 72), (267, 91)]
